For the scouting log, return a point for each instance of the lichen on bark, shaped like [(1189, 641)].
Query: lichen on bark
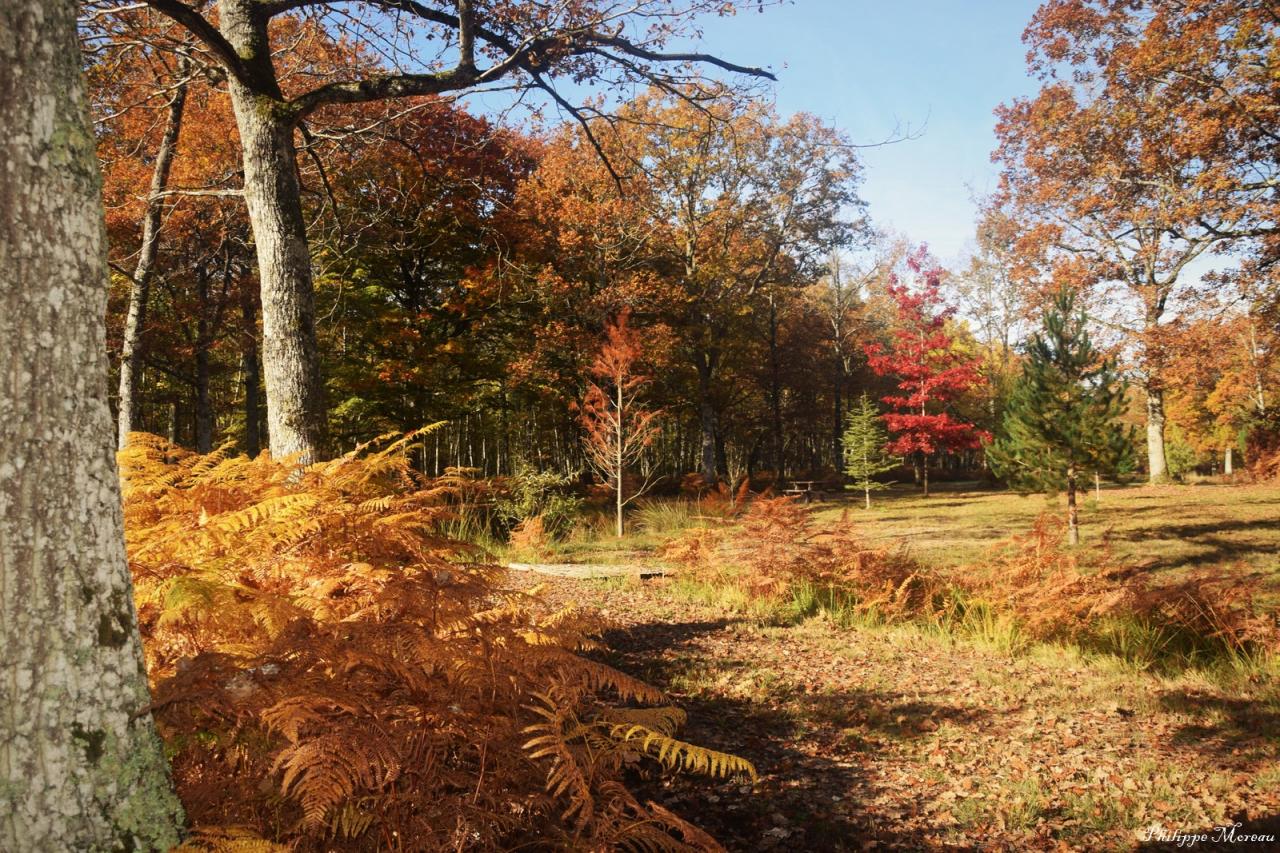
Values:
[(81, 766)]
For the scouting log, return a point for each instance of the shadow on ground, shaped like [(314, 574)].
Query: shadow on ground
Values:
[(1224, 724), (819, 800)]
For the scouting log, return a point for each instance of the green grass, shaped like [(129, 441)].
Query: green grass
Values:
[(1167, 529)]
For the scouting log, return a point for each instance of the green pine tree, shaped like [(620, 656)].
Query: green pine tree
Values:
[(864, 441), (1062, 418)]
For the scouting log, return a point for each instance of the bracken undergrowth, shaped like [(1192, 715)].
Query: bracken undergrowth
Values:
[(330, 671)]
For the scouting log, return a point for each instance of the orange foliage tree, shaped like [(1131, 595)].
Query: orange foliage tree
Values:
[(1115, 170), (617, 429), (385, 51), (728, 213)]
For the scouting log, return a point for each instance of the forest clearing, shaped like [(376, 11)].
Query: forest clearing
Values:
[(1167, 530), (639, 425), (933, 734), (963, 747)]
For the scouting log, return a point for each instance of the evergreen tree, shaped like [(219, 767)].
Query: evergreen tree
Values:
[(1061, 420), (864, 442)]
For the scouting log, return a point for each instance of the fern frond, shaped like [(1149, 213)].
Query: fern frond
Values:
[(228, 839), (680, 755), (668, 720), (321, 773), (258, 513)]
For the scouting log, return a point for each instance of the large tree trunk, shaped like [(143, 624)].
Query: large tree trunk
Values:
[(81, 767), (1157, 469), (140, 287), (290, 359)]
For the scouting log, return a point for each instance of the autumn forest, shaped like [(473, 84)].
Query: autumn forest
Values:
[(502, 424)]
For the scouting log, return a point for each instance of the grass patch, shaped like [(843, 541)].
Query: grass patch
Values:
[(1168, 529)]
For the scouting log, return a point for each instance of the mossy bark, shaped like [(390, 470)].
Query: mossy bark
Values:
[(81, 767), (290, 356)]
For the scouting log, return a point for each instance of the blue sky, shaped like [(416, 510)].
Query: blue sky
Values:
[(937, 67), (869, 66)]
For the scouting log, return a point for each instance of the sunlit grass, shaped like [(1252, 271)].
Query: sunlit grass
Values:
[(1167, 528)]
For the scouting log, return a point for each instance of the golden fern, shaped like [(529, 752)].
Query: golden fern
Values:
[(668, 720), (227, 839), (325, 665), (679, 755)]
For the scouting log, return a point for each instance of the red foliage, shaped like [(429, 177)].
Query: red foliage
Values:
[(931, 372)]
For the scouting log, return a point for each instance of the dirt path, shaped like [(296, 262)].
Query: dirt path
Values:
[(883, 739)]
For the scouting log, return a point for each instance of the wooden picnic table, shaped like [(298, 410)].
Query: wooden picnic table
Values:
[(805, 489)]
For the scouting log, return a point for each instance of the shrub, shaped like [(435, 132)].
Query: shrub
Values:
[(1181, 458), (775, 549), (542, 494), (327, 669), (659, 516), (1028, 589)]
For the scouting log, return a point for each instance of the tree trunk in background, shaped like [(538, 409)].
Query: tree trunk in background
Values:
[(775, 392), (1157, 469), (619, 446), (140, 287), (1073, 513), (707, 419), (290, 358), (251, 372), (81, 767), (837, 421), (1228, 467), (204, 409), (173, 422)]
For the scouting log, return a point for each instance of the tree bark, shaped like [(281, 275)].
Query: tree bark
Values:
[(81, 767), (1228, 460), (140, 287), (775, 393), (707, 419), (204, 408), (1157, 468), (1073, 515), (272, 193)]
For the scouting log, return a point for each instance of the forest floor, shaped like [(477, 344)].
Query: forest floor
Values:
[(903, 739)]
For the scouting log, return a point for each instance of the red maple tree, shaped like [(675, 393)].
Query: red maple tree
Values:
[(930, 370)]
